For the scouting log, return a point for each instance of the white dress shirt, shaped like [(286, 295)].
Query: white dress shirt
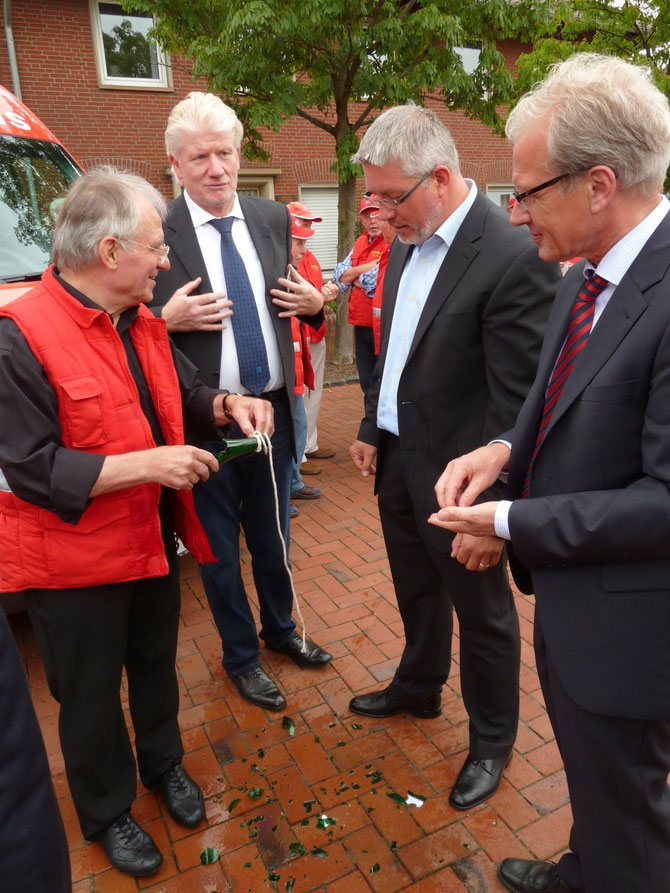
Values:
[(613, 267), (415, 284), (209, 240)]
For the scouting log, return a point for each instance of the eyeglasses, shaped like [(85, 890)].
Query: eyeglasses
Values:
[(520, 196), (162, 250), (391, 203)]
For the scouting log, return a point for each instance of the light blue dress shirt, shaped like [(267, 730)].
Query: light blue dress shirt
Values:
[(416, 282)]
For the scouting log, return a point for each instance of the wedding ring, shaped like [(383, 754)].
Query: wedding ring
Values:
[(483, 566)]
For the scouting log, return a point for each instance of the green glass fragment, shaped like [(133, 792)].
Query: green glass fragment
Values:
[(209, 855)]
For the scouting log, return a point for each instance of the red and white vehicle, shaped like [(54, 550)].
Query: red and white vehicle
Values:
[(35, 172)]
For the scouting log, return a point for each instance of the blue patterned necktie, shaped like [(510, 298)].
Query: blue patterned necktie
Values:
[(251, 353)]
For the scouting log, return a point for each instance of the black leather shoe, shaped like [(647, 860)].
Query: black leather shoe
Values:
[(526, 876), (388, 702), (477, 781), (312, 657), (182, 797), (257, 687), (129, 848)]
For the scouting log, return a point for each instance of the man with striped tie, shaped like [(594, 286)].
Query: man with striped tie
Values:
[(589, 468)]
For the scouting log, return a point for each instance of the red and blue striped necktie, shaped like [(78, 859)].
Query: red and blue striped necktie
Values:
[(579, 329)]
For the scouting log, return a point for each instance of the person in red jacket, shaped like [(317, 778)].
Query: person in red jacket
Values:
[(358, 271), (304, 374), (96, 479), (389, 235), (310, 268)]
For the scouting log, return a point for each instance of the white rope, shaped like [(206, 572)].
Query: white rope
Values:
[(264, 445)]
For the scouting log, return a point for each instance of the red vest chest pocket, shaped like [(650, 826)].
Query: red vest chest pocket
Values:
[(81, 414)]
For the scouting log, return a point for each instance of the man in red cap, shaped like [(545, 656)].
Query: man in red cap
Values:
[(358, 271), (310, 268)]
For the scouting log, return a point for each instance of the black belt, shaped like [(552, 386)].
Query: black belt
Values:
[(274, 396)]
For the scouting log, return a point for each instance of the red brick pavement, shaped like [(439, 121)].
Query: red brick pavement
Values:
[(335, 764)]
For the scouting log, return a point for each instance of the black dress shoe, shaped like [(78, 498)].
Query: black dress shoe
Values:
[(257, 687), (129, 848), (313, 656), (526, 876), (477, 781), (182, 797), (389, 701)]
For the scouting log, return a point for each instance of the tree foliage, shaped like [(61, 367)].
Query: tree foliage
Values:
[(636, 30)]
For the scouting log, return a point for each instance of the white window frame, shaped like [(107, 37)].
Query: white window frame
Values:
[(163, 82), (499, 193)]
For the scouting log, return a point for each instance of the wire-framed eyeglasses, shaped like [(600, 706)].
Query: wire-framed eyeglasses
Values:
[(391, 203)]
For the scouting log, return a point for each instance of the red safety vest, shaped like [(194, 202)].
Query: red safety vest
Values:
[(377, 299), (310, 268), (360, 305), (118, 537)]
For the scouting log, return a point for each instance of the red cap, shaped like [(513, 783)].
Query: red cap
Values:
[(300, 232), (369, 203), (511, 203), (297, 209)]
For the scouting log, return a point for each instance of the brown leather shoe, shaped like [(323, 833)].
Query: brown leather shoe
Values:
[(322, 453), (307, 492), (309, 468)]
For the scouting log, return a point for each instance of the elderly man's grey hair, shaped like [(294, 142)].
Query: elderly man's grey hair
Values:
[(105, 202), (200, 113), (601, 110), (411, 136)]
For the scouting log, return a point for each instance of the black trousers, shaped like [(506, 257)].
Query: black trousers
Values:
[(86, 637), (617, 772), (33, 850), (428, 583), (366, 359)]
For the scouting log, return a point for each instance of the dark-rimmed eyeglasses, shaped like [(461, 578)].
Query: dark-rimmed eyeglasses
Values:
[(391, 203), (162, 250), (520, 196)]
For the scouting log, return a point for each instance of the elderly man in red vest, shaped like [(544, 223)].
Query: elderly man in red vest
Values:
[(96, 480)]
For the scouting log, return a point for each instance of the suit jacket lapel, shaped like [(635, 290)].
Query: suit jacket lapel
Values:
[(260, 236), (396, 264), (622, 311), (460, 255), (184, 243)]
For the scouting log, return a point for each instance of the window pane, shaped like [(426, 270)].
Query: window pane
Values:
[(128, 51)]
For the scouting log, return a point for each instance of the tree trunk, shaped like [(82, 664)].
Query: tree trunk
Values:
[(346, 222)]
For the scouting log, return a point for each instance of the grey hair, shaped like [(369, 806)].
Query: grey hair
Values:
[(413, 137), (200, 112), (601, 110), (105, 202)]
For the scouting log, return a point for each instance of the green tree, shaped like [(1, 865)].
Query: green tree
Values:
[(335, 63), (635, 30)]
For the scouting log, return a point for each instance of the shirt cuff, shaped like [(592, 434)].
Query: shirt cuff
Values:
[(501, 518)]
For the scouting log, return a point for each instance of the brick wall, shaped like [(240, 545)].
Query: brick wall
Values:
[(56, 63)]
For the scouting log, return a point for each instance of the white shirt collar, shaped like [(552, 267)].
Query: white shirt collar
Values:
[(618, 260), (199, 216)]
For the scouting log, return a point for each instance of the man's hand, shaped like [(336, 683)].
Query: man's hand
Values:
[(299, 297), (363, 456), (185, 312), (476, 520), (252, 414), (477, 553), (329, 292), (178, 467), (465, 478)]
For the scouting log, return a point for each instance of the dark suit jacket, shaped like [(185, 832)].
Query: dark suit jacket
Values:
[(474, 354), (270, 230), (594, 538)]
